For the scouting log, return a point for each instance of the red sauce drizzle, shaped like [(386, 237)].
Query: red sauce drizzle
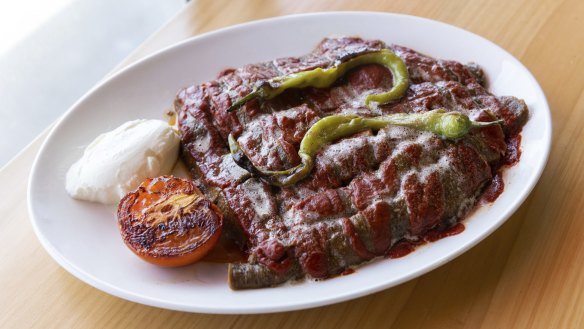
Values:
[(434, 235), (348, 271), (405, 247)]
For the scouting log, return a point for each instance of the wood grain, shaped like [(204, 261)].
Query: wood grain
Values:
[(528, 274)]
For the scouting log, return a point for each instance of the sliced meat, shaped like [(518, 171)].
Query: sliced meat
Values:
[(366, 192)]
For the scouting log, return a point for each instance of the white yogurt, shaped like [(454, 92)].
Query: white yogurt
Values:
[(117, 162)]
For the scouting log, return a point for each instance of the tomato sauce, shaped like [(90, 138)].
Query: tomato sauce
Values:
[(405, 247)]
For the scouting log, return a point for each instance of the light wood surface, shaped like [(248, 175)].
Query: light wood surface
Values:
[(528, 274)]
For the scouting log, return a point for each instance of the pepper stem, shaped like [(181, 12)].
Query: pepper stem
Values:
[(255, 93)]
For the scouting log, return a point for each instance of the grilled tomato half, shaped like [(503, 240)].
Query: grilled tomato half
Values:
[(167, 221)]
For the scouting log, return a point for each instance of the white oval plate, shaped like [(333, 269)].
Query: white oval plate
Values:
[(83, 237)]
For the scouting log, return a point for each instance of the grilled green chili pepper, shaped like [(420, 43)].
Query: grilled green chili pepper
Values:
[(450, 125), (321, 78)]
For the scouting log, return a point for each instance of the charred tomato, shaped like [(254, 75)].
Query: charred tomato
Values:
[(167, 221)]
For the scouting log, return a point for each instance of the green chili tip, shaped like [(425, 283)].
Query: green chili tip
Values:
[(322, 78)]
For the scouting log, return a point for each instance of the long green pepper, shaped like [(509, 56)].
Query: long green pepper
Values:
[(322, 78), (449, 125)]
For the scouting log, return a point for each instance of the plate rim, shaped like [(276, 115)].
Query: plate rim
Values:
[(146, 300)]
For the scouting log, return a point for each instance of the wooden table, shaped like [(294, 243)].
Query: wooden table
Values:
[(529, 273)]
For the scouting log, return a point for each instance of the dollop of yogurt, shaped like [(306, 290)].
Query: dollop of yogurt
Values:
[(117, 162)]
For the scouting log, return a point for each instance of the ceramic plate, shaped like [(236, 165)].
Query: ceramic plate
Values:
[(83, 237)]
